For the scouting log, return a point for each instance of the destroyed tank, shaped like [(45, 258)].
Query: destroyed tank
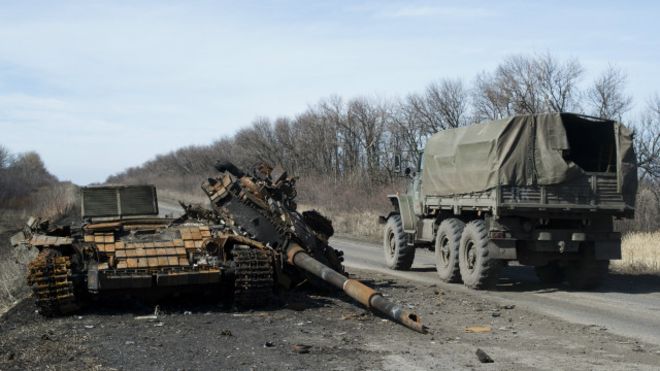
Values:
[(250, 244)]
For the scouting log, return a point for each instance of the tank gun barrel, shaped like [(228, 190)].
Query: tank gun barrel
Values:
[(362, 293)]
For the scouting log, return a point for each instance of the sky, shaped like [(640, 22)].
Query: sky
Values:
[(98, 86)]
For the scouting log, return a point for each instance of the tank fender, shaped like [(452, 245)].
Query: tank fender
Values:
[(403, 205)]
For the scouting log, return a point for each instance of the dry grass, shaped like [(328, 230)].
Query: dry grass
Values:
[(12, 276), (175, 196), (51, 202), (640, 253)]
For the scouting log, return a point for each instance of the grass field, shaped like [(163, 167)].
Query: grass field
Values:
[(640, 253)]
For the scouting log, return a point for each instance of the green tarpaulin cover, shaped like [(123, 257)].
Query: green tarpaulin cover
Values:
[(527, 150)]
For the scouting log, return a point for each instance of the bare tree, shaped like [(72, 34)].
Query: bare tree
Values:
[(4, 157), (367, 121), (526, 84), (647, 142), (517, 78), (488, 101), (449, 99), (407, 134), (443, 105), (607, 97), (557, 82)]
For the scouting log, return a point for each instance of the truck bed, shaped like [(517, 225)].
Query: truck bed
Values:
[(597, 192)]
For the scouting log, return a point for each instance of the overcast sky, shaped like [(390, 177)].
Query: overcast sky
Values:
[(97, 86)]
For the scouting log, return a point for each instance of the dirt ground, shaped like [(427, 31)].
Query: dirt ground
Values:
[(330, 331)]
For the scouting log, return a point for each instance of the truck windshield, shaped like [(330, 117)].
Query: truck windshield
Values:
[(592, 144)]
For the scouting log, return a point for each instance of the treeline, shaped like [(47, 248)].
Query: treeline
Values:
[(353, 142), (20, 176), (27, 188)]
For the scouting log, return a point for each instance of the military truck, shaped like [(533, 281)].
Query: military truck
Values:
[(541, 190)]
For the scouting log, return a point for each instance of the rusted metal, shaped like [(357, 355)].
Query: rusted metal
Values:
[(357, 290)]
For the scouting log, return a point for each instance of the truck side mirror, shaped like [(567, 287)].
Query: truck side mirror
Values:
[(397, 164), (408, 171)]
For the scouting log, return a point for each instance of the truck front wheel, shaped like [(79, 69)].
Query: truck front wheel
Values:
[(398, 255), (478, 270), (447, 244)]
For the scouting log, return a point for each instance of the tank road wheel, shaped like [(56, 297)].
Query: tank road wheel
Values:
[(586, 273), (398, 255), (447, 244), (478, 270), (549, 274)]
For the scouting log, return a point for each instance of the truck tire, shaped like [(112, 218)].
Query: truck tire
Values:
[(478, 270), (447, 244), (550, 274), (586, 273), (398, 255)]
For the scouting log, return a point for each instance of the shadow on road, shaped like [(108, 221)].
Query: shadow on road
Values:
[(523, 278), (422, 269)]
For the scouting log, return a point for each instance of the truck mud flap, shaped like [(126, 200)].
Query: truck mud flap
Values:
[(504, 249)]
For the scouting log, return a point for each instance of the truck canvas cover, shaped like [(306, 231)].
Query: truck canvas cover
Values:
[(528, 150)]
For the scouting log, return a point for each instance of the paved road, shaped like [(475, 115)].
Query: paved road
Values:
[(626, 305)]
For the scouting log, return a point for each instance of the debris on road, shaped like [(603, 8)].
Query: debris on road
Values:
[(148, 317), (301, 348), (478, 329), (483, 356)]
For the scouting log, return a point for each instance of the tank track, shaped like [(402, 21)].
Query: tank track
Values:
[(52, 285), (254, 277)]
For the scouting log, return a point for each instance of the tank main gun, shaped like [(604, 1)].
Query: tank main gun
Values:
[(357, 290)]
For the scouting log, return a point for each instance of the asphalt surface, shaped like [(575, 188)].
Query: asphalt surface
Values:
[(627, 305)]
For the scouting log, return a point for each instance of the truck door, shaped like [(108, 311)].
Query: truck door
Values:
[(417, 187)]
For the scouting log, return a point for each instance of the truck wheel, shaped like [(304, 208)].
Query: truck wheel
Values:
[(549, 274), (398, 255), (586, 273), (478, 270), (447, 244)]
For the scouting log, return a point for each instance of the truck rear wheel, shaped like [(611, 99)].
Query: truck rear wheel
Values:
[(586, 273), (447, 244), (549, 274), (478, 270), (398, 255)]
